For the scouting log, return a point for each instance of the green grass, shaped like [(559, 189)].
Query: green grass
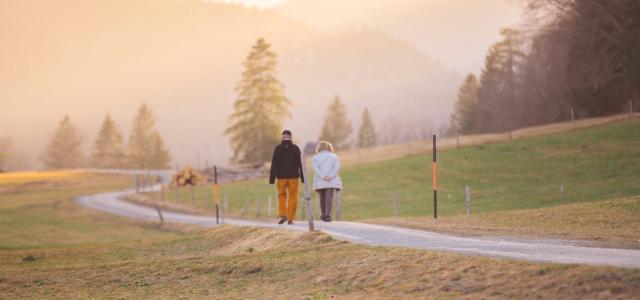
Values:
[(596, 163)]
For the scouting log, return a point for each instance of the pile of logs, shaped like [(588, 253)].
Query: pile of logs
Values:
[(188, 176)]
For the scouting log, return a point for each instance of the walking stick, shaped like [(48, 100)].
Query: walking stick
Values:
[(307, 192)]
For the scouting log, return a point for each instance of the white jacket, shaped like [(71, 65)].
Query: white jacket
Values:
[(326, 163)]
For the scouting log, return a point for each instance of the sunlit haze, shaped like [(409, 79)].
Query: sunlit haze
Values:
[(404, 60)]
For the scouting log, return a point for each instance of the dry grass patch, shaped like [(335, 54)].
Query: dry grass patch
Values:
[(612, 223), (239, 263), (37, 211)]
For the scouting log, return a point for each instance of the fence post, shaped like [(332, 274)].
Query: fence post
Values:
[(244, 209), (562, 193), (159, 214), (395, 204), (435, 182), (573, 120), (215, 193), (307, 191), (468, 194)]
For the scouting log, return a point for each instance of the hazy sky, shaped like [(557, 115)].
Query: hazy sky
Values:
[(87, 58), (453, 31), (257, 3)]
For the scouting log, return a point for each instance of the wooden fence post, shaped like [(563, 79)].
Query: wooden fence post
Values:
[(159, 214), (244, 209), (215, 193), (573, 120), (307, 191)]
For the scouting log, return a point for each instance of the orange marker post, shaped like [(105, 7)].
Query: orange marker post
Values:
[(435, 183)]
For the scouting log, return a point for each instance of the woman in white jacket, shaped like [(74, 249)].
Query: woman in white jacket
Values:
[(326, 166)]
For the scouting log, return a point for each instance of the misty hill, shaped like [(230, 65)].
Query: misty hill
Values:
[(457, 31), (89, 57)]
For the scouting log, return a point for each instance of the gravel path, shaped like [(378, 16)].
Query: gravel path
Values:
[(532, 250)]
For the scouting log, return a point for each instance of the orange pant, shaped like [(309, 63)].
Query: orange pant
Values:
[(287, 206)]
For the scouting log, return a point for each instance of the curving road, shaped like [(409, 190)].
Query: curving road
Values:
[(378, 235)]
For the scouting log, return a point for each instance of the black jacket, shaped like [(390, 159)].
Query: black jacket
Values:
[(286, 162)]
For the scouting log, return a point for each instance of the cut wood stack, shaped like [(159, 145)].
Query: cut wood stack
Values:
[(188, 176)]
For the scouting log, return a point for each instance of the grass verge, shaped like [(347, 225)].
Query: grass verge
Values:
[(610, 223), (37, 211), (240, 263)]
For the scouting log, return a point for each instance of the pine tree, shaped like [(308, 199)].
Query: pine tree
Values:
[(146, 148), (108, 150), (336, 128), (65, 148), (367, 133), (498, 109), (259, 110), (160, 157), (463, 115)]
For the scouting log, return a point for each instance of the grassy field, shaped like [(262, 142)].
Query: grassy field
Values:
[(241, 263), (53, 248), (508, 181), (597, 163), (37, 211), (353, 157)]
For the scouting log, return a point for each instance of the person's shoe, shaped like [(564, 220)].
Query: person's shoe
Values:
[(291, 223), (327, 219), (323, 218), (282, 220)]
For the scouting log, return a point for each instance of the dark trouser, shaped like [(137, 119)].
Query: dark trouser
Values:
[(326, 200)]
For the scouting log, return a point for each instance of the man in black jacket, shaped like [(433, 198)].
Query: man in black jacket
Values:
[(287, 167)]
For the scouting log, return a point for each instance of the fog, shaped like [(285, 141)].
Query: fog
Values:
[(86, 58)]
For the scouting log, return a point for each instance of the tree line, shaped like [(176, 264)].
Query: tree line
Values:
[(145, 150), (578, 57), (261, 107)]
